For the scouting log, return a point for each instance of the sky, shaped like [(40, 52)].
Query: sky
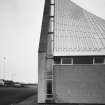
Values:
[(20, 26), (96, 7)]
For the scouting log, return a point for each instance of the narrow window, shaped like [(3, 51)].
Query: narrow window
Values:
[(49, 75), (57, 60), (52, 2), (51, 25), (99, 60), (66, 60), (83, 60), (52, 10), (49, 88)]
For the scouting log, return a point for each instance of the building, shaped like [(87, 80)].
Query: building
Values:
[(71, 56)]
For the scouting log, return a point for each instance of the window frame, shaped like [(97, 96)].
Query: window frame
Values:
[(84, 59), (63, 58), (92, 60), (60, 61), (103, 62)]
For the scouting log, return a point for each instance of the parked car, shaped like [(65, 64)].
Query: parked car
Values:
[(2, 82), (18, 85)]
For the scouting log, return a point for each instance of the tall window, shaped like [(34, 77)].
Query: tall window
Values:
[(52, 10), (51, 25), (49, 88), (49, 75), (49, 81)]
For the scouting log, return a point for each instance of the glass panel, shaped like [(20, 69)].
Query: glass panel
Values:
[(52, 10), (51, 25), (49, 75), (66, 60), (52, 1), (49, 86), (99, 59), (57, 60), (49, 95), (83, 60)]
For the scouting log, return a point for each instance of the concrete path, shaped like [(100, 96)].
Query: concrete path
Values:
[(29, 101)]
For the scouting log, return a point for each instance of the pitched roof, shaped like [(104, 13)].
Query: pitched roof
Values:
[(44, 29), (77, 32)]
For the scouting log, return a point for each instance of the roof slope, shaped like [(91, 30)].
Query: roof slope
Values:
[(44, 29), (77, 32)]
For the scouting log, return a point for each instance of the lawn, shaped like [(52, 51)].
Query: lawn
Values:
[(10, 95)]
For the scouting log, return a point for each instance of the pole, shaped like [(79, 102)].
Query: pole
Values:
[(4, 68)]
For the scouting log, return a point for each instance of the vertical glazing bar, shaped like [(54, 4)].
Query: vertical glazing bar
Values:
[(104, 60), (93, 60), (72, 60)]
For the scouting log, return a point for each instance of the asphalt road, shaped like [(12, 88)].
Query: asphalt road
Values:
[(10, 95)]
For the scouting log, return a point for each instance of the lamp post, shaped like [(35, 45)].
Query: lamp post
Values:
[(13, 76), (4, 68)]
